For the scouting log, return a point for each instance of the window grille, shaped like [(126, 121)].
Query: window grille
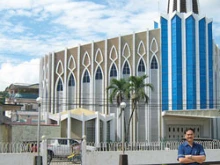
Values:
[(60, 85), (86, 78), (154, 63), (113, 72), (98, 75), (141, 67), (71, 81), (126, 69)]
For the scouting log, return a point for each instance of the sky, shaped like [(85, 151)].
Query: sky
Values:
[(30, 29)]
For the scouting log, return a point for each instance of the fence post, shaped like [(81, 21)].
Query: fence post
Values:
[(43, 150), (83, 148)]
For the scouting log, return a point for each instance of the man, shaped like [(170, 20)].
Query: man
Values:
[(190, 152)]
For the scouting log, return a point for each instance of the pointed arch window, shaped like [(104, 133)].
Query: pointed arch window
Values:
[(86, 78), (113, 72), (60, 85), (141, 67), (71, 81), (126, 69), (98, 75), (154, 64)]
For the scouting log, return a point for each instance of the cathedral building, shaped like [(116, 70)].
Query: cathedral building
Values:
[(183, 64)]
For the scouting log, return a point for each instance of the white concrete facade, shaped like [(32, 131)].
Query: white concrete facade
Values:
[(77, 77)]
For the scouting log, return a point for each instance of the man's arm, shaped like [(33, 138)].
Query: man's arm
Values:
[(182, 158), (192, 158), (186, 159), (199, 158)]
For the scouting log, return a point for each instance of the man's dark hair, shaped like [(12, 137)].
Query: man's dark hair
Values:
[(189, 129)]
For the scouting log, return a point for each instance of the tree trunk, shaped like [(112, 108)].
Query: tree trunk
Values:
[(129, 122)]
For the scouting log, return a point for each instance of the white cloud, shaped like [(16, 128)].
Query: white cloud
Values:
[(69, 23), (19, 28), (14, 4), (27, 4), (22, 12), (25, 72), (36, 3)]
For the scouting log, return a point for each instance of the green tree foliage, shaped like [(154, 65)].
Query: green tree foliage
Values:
[(132, 89), (118, 90), (136, 87)]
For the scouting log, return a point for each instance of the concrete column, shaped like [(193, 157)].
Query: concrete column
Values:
[(65, 106), (162, 128), (59, 119), (69, 125), (78, 85), (43, 150), (106, 79), (92, 95), (112, 129), (118, 124), (97, 129), (105, 130), (52, 96), (83, 148), (147, 113), (83, 124)]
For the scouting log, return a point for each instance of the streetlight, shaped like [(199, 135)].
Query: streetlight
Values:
[(123, 158), (38, 159)]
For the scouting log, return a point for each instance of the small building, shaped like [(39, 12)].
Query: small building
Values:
[(5, 122), (25, 95), (77, 122)]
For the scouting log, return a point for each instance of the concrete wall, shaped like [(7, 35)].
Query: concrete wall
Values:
[(142, 157), (64, 128), (108, 157), (5, 133), (17, 159), (76, 129), (204, 124), (29, 132)]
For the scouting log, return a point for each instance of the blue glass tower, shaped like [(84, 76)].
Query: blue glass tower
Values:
[(187, 57)]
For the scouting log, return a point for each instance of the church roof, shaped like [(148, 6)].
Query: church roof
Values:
[(79, 111), (183, 6)]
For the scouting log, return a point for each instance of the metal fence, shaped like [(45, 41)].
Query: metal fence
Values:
[(141, 146), (18, 147)]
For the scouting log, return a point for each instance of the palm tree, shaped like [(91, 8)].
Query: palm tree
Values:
[(119, 88), (137, 93)]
